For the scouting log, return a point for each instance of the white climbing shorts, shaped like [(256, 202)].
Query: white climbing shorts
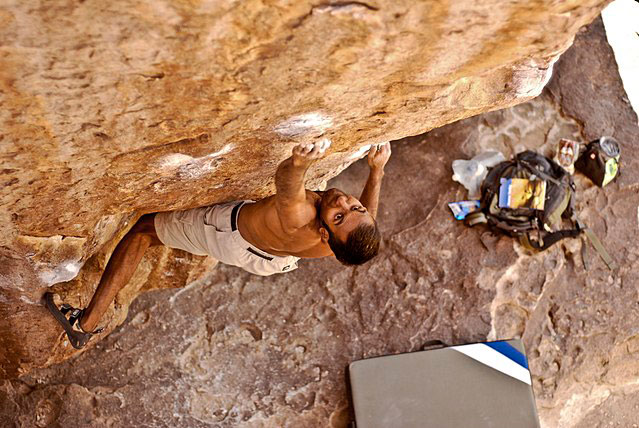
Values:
[(213, 231)]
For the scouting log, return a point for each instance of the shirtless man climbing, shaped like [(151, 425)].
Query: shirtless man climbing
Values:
[(263, 237)]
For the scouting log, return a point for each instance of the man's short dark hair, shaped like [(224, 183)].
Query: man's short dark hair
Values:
[(361, 245)]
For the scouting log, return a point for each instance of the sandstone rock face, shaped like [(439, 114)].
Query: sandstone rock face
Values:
[(110, 110), (235, 350)]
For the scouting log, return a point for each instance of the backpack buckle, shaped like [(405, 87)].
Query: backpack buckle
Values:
[(475, 218)]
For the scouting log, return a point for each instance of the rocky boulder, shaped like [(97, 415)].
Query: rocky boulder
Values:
[(236, 350), (111, 110)]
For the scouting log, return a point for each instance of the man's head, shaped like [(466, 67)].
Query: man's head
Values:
[(348, 228)]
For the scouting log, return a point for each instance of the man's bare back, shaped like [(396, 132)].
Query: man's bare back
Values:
[(259, 224)]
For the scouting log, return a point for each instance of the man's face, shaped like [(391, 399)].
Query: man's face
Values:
[(342, 213)]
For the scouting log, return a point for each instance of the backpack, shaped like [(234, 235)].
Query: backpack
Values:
[(536, 229)]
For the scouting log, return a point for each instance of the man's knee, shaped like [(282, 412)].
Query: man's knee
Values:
[(145, 223), (146, 226)]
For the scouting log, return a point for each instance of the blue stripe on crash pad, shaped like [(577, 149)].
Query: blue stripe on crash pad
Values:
[(494, 359), (509, 351)]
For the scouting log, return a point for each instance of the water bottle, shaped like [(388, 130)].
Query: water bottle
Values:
[(471, 173)]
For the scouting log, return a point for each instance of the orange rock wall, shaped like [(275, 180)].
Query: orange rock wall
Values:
[(114, 109)]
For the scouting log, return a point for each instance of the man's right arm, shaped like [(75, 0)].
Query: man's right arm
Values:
[(377, 158), (293, 209)]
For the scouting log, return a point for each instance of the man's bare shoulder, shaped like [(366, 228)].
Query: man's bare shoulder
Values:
[(313, 197), (267, 208)]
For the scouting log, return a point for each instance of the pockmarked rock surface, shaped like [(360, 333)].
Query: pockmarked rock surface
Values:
[(233, 349), (111, 110)]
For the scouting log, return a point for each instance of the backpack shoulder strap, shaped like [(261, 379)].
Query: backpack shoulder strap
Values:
[(598, 245), (549, 239)]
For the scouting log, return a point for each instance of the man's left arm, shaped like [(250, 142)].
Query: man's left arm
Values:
[(377, 158)]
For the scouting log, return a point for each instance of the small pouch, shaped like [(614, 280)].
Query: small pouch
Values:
[(567, 154), (600, 161)]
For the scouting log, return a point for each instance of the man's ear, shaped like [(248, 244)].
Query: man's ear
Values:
[(323, 234)]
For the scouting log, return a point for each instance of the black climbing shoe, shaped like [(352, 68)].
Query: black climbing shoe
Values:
[(71, 325)]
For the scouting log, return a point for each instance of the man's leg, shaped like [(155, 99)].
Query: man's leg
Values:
[(120, 268)]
